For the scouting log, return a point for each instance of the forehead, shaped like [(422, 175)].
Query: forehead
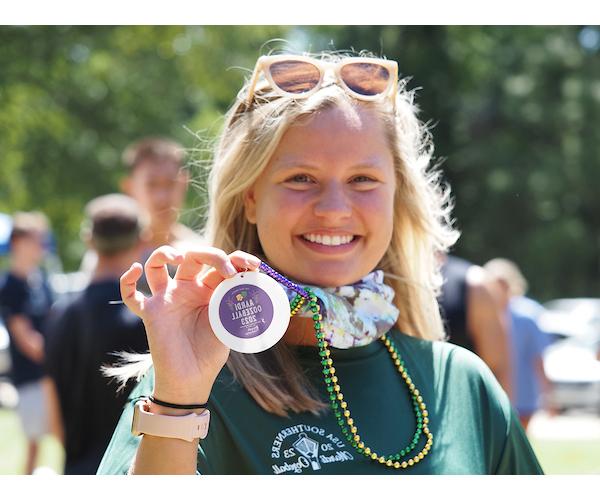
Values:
[(351, 117), (155, 169), (352, 132), (37, 236)]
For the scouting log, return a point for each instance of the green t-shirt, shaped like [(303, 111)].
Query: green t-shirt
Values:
[(475, 430)]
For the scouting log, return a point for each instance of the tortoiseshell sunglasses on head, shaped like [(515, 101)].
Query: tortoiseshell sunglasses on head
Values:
[(365, 78)]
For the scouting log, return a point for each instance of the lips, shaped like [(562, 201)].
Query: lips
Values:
[(327, 246), (329, 240)]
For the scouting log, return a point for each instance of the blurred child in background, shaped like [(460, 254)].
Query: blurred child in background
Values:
[(25, 300)]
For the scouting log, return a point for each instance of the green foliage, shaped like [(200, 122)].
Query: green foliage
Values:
[(72, 98), (513, 111)]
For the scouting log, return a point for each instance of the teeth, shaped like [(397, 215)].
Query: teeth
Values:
[(332, 241)]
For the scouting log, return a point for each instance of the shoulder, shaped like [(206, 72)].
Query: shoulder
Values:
[(454, 368), (63, 315), (65, 308), (13, 294), (481, 287), (9, 284)]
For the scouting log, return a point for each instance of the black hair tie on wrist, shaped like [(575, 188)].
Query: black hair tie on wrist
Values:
[(176, 406)]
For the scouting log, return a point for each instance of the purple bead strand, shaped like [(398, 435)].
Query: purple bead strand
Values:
[(283, 280)]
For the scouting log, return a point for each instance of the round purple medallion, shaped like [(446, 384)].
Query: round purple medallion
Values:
[(246, 311)]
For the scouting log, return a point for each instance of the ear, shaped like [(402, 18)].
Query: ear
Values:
[(125, 185), (89, 243), (250, 205), (184, 177)]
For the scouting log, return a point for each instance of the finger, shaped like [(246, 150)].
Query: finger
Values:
[(156, 267), (244, 260), (212, 279), (132, 298), (241, 260), (195, 260)]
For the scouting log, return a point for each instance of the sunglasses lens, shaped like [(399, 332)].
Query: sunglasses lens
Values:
[(366, 78), (295, 77)]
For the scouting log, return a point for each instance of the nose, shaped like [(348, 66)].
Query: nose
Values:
[(333, 203), (162, 198)]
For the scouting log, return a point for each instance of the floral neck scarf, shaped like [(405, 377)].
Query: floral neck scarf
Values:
[(357, 314)]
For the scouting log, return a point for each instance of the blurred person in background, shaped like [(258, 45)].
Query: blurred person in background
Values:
[(528, 341), (25, 300), (472, 317), (84, 331), (157, 180)]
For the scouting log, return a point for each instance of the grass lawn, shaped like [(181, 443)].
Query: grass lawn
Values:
[(13, 447), (568, 457), (556, 457)]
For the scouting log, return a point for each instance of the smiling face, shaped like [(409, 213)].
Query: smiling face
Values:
[(324, 205)]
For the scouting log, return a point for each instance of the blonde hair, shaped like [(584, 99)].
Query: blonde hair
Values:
[(507, 271), (422, 225)]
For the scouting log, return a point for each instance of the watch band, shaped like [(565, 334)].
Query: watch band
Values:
[(186, 427)]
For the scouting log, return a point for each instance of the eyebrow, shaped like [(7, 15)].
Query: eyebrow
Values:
[(371, 163)]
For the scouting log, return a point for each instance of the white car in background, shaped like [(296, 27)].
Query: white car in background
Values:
[(572, 362)]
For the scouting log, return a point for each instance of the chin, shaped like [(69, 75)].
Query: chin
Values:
[(328, 279)]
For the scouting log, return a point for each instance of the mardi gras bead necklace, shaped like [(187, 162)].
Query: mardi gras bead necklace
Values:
[(406, 457)]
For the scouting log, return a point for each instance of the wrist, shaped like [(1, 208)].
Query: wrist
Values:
[(199, 395), (174, 412)]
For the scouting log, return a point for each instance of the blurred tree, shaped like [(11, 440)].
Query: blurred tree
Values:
[(512, 111), (71, 99)]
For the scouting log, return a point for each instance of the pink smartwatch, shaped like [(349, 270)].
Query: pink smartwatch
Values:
[(186, 427)]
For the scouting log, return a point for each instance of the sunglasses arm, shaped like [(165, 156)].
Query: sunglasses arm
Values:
[(253, 82)]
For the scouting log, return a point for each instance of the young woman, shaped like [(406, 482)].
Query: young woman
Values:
[(322, 172)]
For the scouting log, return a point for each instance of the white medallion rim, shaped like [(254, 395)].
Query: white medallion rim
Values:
[(273, 333)]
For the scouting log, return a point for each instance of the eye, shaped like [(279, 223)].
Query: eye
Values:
[(299, 178), (363, 178)]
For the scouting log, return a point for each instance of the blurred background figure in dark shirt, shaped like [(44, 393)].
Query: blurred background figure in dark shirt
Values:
[(86, 331), (528, 341), (473, 318), (25, 300)]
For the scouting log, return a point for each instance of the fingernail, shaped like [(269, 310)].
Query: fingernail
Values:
[(230, 269), (253, 261)]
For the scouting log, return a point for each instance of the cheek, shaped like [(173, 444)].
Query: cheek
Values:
[(281, 209), (141, 193), (377, 209)]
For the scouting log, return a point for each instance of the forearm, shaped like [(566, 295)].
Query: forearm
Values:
[(28, 340), (158, 455)]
